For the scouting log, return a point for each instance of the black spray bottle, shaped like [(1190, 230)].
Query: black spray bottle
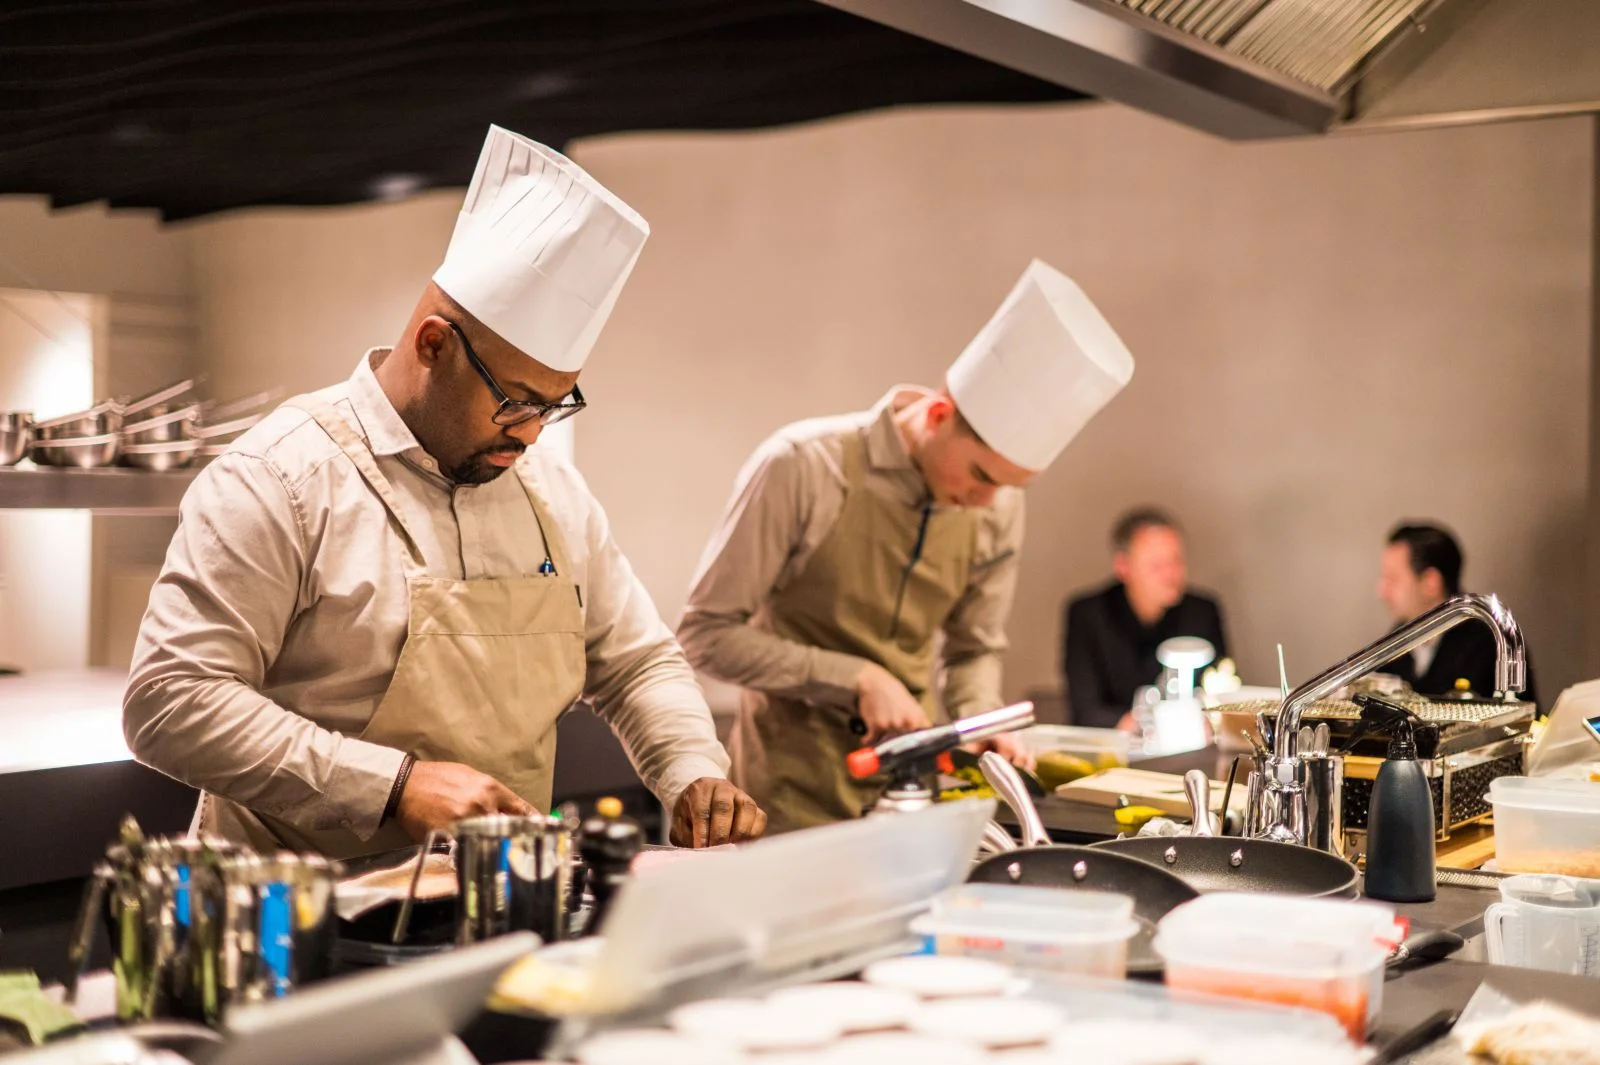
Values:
[(1400, 827)]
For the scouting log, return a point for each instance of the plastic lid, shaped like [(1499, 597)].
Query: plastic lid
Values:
[(1130, 1042), (1278, 933), (1538, 793), (978, 927)]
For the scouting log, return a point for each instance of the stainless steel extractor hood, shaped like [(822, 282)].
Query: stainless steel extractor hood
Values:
[(1250, 69)]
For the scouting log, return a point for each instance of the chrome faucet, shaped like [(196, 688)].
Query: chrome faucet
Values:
[(1278, 812)]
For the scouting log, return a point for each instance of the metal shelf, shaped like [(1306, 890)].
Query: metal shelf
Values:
[(107, 491)]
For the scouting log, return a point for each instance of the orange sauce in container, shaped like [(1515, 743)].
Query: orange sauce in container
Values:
[(1343, 997)]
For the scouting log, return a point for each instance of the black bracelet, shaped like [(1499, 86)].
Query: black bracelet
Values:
[(399, 788)]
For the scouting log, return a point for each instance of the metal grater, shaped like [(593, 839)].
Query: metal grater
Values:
[(1469, 878), (1434, 711)]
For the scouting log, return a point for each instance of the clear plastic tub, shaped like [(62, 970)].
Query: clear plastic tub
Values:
[(1083, 932), (1320, 954), (1076, 752), (1546, 826)]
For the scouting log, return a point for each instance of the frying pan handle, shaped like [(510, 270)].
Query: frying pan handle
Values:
[(1008, 784), (1198, 787), (997, 839)]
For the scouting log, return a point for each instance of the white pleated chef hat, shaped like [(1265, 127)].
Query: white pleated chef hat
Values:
[(540, 251), (1039, 370)]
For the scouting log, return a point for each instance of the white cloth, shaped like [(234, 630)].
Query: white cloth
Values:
[(541, 250), (284, 588), (1045, 364)]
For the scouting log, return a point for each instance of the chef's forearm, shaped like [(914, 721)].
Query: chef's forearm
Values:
[(734, 651), (221, 736), (661, 716)]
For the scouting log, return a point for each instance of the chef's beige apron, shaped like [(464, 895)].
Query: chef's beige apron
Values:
[(487, 668), (790, 755)]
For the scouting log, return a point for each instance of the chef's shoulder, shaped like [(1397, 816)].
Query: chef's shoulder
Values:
[(286, 446), (1000, 524), (806, 447)]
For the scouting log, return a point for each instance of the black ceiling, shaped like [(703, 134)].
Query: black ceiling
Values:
[(195, 106)]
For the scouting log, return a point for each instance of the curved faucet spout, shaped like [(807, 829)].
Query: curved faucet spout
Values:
[(1511, 659)]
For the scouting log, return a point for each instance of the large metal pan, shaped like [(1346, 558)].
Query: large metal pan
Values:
[(1215, 863), (1040, 863)]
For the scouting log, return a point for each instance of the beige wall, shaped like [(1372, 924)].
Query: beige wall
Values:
[(1331, 334), (46, 366), (290, 298)]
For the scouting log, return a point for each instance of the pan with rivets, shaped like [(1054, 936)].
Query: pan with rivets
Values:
[(1221, 863), (1039, 863)]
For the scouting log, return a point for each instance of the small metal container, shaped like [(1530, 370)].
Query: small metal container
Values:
[(513, 874), (159, 458), (100, 420), (163, 428), (201, 926), (88, 452), (16, 433)]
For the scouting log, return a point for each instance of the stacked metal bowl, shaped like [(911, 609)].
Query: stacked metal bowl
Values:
[(16, 433), (167, 429), (84, 439)]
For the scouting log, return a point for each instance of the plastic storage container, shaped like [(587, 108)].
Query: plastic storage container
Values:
[(1320, 954), (1546, 826), (1067, 752), (1083, 932)]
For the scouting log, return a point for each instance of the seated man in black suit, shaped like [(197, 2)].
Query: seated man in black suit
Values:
[(1109, 652), (1421, 569)]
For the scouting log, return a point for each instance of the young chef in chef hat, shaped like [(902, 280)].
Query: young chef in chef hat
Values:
[(853, 543), (424, 526)]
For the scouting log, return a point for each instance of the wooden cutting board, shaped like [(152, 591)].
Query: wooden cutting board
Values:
[(1162, 791)]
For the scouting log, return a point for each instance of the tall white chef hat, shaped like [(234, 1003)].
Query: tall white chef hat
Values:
[(1039, 370), (540, 250)]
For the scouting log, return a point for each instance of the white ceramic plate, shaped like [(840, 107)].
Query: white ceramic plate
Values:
[(754, 1025), (990, 1022), (894, 1048), (854, 1007), (939, 976)]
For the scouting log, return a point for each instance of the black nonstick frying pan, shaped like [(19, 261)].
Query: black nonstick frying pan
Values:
[(1223, 863), (1040, 863)]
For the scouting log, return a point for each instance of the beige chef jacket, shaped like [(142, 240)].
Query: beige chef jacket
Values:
[(786, 501), (283, 588)]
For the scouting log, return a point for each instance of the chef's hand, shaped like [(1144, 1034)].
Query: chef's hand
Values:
[(885, 706), (438, 793), (1007, 746), (711, 812)]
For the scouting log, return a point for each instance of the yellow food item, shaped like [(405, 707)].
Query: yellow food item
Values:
[(1109, 760), (952, 794), (1055, 768), (1134, 818), (535, 984)]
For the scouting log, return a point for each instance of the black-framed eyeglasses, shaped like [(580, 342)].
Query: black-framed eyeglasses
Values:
[(518, 411)]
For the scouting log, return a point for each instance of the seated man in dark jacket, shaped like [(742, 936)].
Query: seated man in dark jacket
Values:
[(1421, 569), (1109, 652)]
